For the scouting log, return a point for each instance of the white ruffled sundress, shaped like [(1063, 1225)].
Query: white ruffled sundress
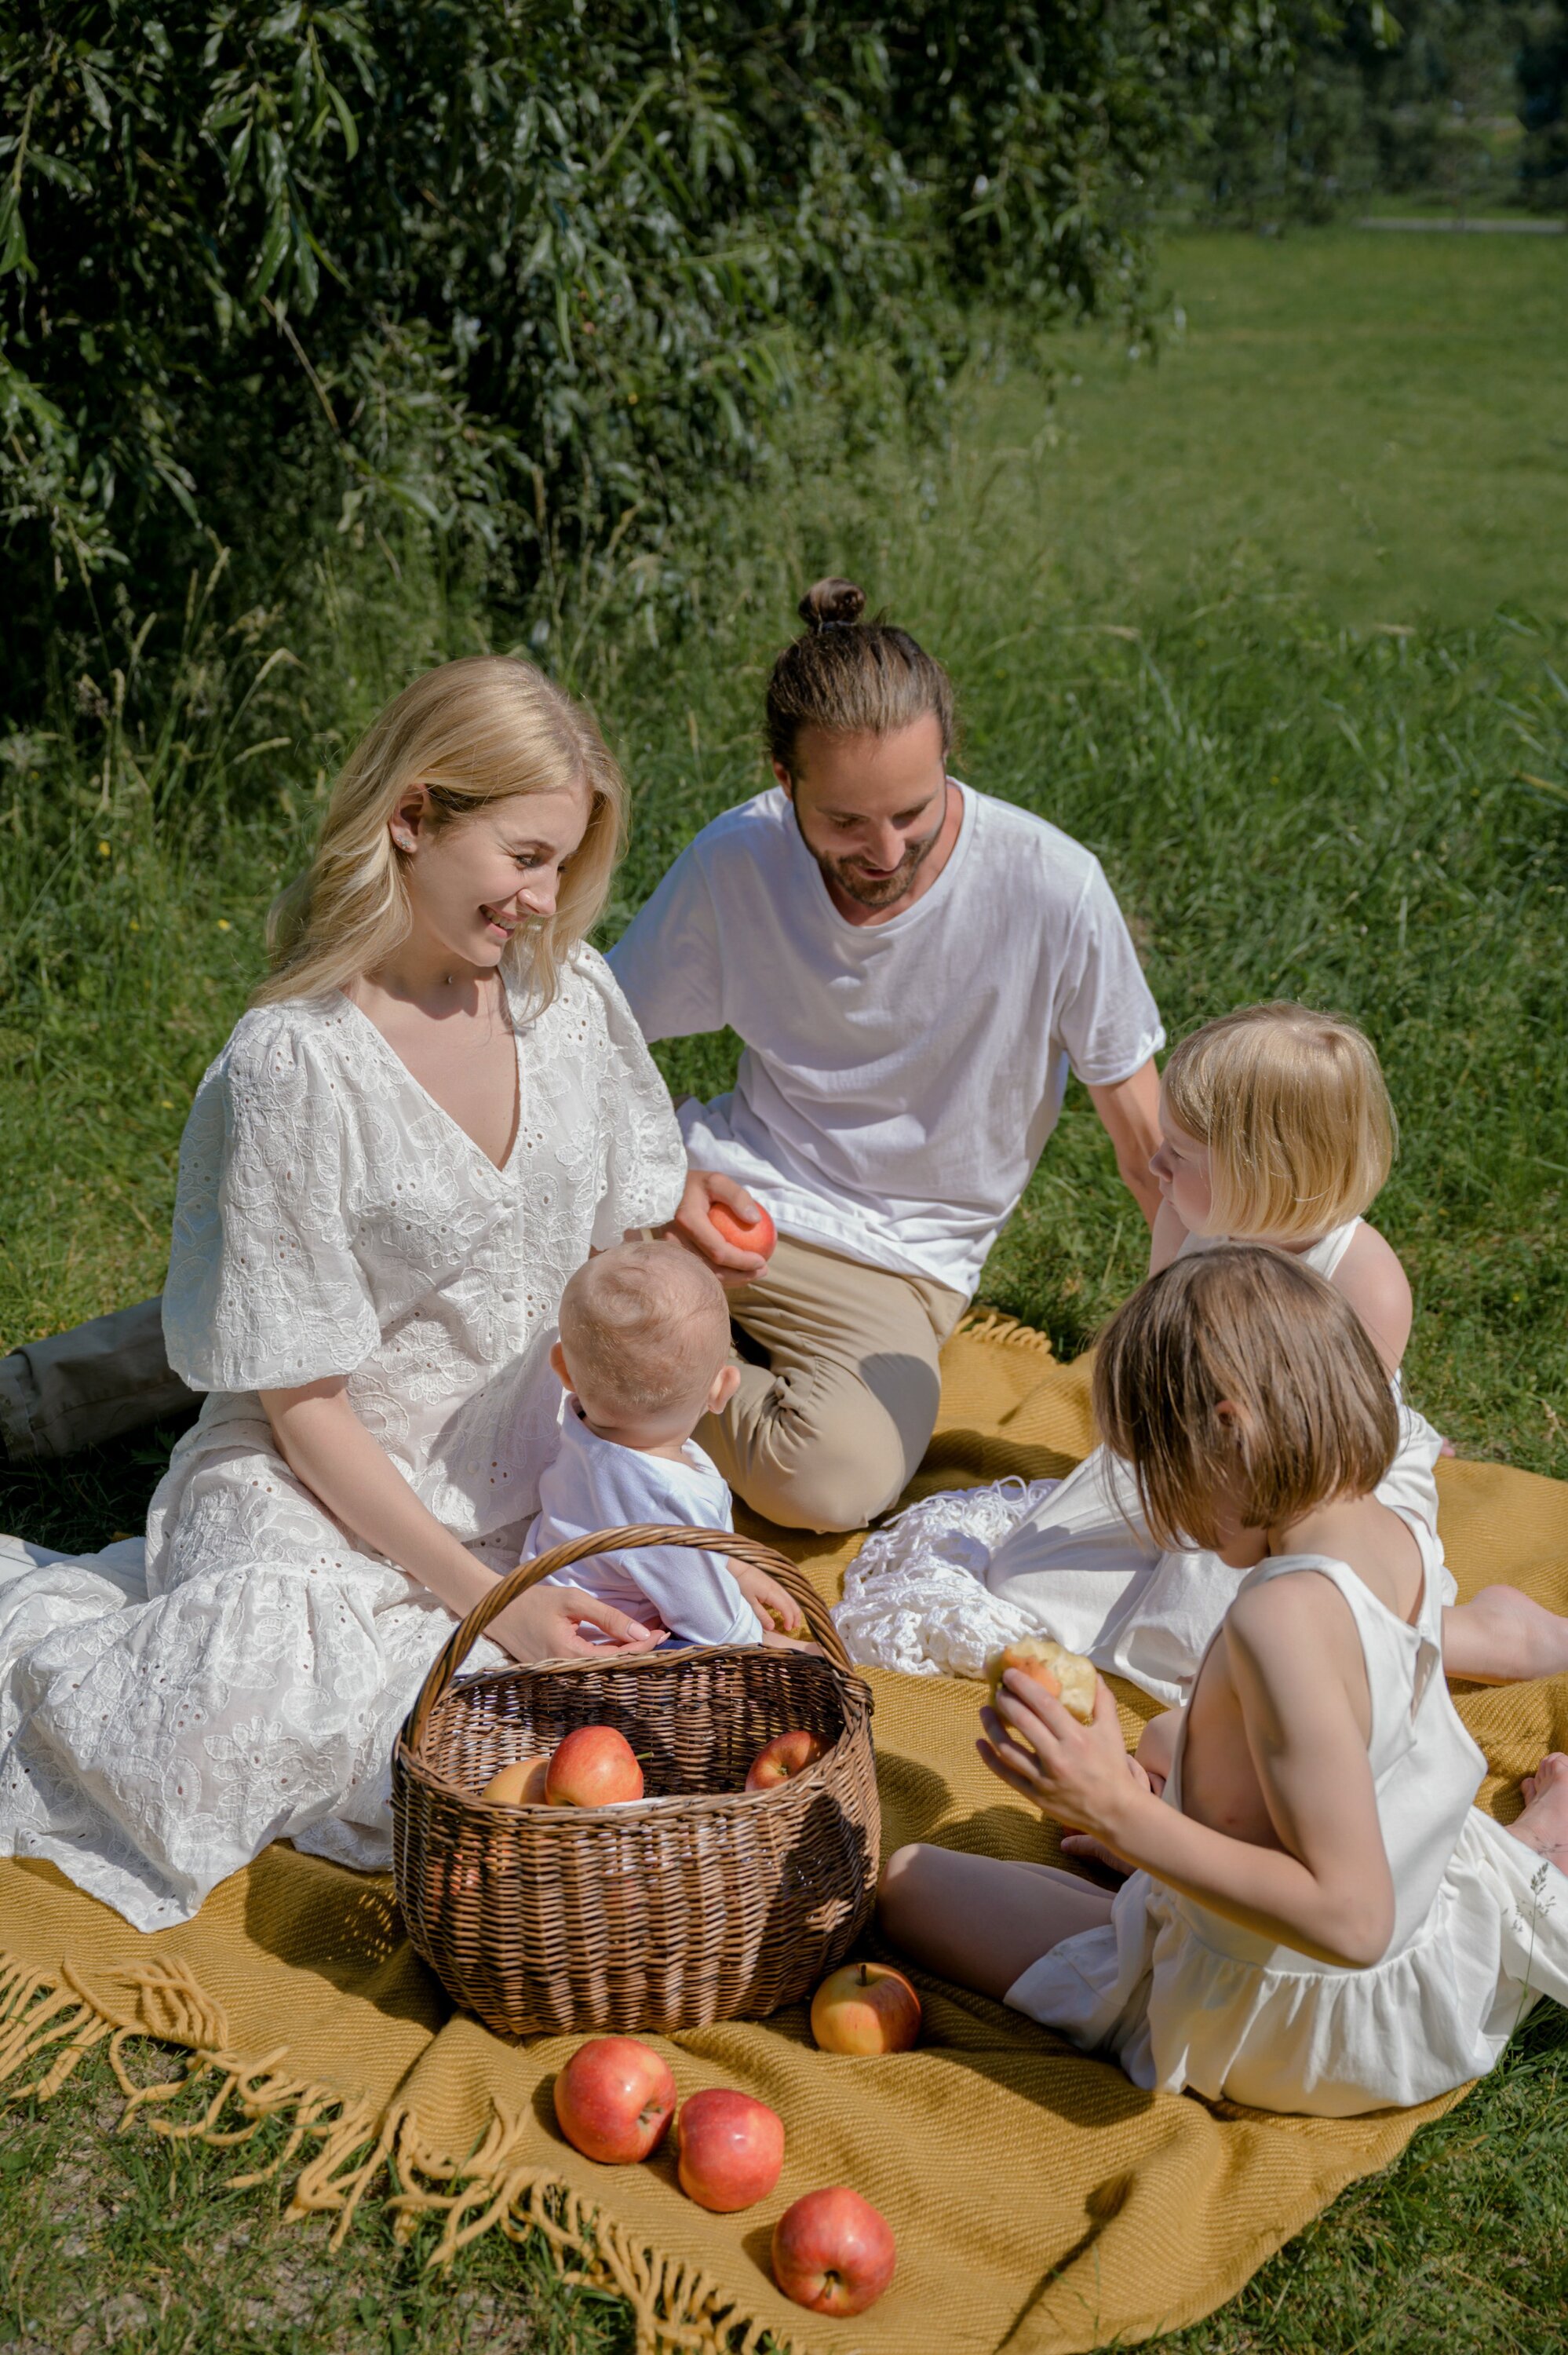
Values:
[(164, 1716), (956, 1576), (1184, 1998)]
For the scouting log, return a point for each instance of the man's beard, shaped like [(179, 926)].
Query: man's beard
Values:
[(875, 890)]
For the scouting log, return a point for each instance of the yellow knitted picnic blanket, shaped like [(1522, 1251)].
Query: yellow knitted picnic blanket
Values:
[(1039, 2200)]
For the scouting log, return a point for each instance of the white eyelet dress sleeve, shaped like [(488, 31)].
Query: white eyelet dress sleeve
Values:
[(331, 1220)]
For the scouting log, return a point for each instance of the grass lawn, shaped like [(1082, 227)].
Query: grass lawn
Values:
[(1278, 624)]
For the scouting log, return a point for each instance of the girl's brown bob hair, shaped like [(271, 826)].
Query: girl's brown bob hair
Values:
[(1237, 1382), (474, 732)]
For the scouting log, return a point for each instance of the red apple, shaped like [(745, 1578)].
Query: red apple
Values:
[(865, 2008), (760, 1236), (731, 2150), (521, 1785), (785, 1754), (833, 2252), (594, 1767), (614, 2099)]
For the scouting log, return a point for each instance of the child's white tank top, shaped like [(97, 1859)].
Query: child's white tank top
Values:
[(1322, 1257), (1182, 1997)]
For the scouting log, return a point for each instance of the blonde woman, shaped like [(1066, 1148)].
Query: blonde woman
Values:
[(436, 1107)]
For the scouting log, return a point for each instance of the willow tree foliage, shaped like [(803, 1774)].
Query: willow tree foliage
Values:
[(525, 270)]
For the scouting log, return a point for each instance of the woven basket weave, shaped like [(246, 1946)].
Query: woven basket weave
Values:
[(700, 1901)]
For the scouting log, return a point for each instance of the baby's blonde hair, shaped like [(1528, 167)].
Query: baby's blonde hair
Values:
[(474, 732), (1314, 1414), (646, 1324), (1293, 1108)]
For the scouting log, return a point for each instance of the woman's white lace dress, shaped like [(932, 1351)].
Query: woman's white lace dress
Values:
[(331, 1219)]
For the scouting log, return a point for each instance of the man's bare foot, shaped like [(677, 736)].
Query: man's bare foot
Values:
[(1544, 1823)]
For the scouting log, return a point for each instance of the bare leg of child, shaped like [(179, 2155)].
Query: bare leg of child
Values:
[(1501, 1637), (1544, 1823), (980, 1921)]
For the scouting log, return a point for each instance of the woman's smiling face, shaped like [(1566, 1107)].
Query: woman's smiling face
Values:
[(1181, 1165), (472, 881)]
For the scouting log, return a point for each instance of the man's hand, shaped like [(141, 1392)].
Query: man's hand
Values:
[(692, 1226), (767, 1598)]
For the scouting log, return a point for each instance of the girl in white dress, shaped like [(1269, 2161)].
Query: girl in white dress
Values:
[(1277, 1127), (436, 1107), (1318, 1918)]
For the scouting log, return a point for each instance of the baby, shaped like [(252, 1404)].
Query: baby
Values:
[(644, 1355)]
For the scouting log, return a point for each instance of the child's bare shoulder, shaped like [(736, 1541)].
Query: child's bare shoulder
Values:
[(1281, 1621), (1375, 1282)]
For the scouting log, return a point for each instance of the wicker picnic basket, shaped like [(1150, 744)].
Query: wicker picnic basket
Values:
[(700, 1901)]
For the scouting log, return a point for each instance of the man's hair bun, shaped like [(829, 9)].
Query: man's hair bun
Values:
[(827, 602)]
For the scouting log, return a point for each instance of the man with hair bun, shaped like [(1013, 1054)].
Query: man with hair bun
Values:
[(913, 968)]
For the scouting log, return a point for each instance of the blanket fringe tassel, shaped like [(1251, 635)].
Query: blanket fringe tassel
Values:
[(994, 1326), (679, 2309)]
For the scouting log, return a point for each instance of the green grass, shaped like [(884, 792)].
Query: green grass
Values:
[(1279, 625)]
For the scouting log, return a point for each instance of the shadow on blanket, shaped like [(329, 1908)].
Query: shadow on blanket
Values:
[(1038, 2198)]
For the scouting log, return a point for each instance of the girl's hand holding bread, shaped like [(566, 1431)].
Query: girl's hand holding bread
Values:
[(1075, 1772)]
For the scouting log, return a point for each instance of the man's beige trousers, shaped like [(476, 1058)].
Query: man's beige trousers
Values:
[(832, 1428)]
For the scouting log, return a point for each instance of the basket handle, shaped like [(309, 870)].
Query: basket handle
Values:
[(449, 1659)]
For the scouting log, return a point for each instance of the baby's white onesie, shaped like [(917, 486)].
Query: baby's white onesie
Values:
[(596, 1484)]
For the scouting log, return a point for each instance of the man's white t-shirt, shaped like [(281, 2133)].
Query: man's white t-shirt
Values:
[(899, 1079)]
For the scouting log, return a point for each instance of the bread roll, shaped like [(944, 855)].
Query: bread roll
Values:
[(1066, 1675)]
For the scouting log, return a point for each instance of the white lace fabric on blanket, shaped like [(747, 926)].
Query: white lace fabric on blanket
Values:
[(914, 1596), (331, 1220)]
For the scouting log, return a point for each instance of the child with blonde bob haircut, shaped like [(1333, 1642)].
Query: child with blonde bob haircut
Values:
[(1275, 1128), (1318, 1920)]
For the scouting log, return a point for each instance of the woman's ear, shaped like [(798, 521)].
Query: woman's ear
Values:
[(408, 818), (727, 1381)]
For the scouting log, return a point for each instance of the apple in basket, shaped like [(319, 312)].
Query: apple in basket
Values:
[(1066, 1675), (595, 1766), (759, 1237), (521, 1785), (865, 2008), (731, 2150), (833, 2252), (614, 2099), (787, 1754)]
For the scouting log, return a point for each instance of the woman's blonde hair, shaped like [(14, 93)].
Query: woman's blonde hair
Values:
[(1312, 1417), (471, 733), (1295, 1112)]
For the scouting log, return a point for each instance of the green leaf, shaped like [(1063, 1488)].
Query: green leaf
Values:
[(274, 249), (93, 91), (13, 236), (350, 128)]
